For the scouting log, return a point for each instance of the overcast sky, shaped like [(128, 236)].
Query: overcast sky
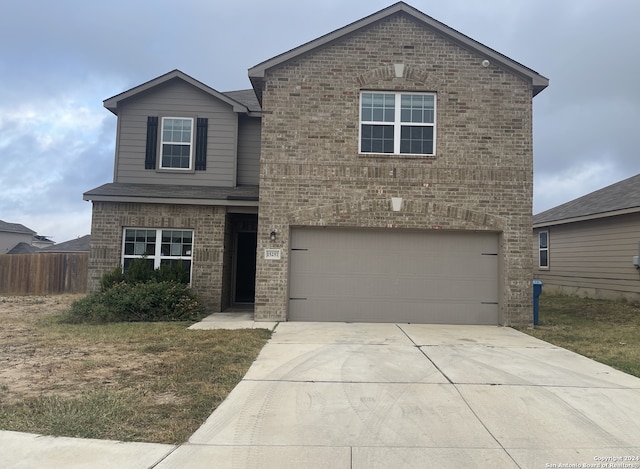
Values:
[(60, 59)]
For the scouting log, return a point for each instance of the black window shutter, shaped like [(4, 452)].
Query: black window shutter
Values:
[(201, 144), (152, 143)]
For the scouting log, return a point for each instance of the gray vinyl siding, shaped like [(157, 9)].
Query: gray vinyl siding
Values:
[(177, 99), (592, 258), (9, 240), (249, 151)]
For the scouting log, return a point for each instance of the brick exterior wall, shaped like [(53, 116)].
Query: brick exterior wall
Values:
[(208, 223), (312, 174)]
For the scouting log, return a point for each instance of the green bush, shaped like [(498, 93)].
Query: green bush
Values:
[(148, 301), (141, 270), (110, 278), (174, 273), (140, 293)]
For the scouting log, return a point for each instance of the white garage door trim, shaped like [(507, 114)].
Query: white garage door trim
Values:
[(417, 276)]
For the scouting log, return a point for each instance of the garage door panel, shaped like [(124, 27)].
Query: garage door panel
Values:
[(368, 310), (396, 276), (380, 286), (410, 262)]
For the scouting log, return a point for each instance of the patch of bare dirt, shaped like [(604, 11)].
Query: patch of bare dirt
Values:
[(35, 363)]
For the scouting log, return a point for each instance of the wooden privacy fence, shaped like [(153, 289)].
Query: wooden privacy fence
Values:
[(43, 273)]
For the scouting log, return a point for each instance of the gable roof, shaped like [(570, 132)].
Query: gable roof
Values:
[(15, 228), (617, 199), (81, 244), (112, 103), (539, 82), (23, 248)]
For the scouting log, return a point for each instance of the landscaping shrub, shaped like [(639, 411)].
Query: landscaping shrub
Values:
[(140, 270), (139, 294), (109, 279)]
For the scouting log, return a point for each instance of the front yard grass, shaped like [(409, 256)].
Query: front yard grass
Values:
[(158, 382), (153, 382), (606, 331)]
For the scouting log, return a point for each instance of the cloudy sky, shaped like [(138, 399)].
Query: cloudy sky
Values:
[(60, 59)]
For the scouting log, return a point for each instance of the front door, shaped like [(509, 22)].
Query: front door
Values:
[(245, 268)]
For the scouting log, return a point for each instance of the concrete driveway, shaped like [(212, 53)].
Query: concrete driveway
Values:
[(339, 395), (336, 395)]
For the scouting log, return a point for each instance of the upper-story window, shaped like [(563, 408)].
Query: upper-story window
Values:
[(397, 123), (177, 143), (182, 147)]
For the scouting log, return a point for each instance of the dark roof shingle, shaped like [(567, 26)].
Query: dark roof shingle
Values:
[(15, 228), (23, 248), (623, 195), (167, 191), (245, 97), (81, 244)]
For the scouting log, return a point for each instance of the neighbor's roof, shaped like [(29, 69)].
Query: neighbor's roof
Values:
[(15, 228), (23, 248), (81, 244), (173, 194), (539, 82), (112, 103), (616, 199)]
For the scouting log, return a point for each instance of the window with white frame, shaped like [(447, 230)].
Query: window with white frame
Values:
[(543, 249), (397, 123), (176, 143), (159, 247)]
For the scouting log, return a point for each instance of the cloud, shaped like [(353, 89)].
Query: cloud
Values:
[(52, 151), (556, 188), (59, 61), (59, 226)]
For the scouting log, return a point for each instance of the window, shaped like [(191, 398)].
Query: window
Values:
[(397, 123), (176, 143), (159, 247), (543, 249)]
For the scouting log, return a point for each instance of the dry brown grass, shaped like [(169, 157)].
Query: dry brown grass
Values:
[(153, 382)]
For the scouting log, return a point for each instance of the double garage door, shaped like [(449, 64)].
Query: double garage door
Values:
[(393, 276)]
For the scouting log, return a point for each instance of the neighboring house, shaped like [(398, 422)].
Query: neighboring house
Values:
[(382, 172), (81, 244), (42, 241), (587, 246), (12, 234)]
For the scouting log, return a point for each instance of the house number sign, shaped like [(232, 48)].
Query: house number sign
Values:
[(273, 254)]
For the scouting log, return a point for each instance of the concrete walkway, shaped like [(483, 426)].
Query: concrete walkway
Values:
[(236, 320), (339, 395)]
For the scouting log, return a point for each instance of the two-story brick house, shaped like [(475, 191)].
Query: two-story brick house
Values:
[(395, 179)]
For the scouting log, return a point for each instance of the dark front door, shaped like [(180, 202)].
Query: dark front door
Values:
[(247, 244)]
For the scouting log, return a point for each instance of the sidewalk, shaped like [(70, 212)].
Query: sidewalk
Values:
[(28, 451)]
